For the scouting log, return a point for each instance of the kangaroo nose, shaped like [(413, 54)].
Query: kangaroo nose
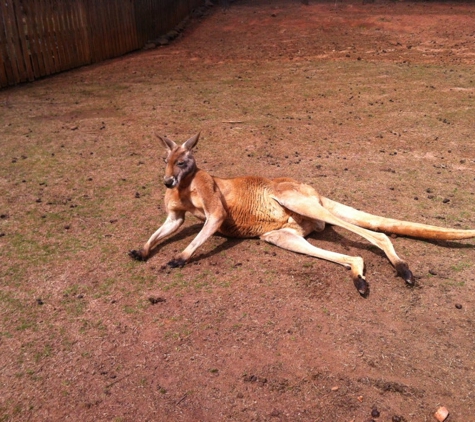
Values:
[(170, 182)]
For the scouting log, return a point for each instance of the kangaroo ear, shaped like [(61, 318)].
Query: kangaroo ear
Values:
[(190, 143), (167, 143)]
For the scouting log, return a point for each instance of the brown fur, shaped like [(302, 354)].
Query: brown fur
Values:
[(280, 211)]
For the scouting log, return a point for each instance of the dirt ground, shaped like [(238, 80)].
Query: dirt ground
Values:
[(371, 103)]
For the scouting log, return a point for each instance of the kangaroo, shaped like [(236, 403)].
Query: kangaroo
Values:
[(280, 211)]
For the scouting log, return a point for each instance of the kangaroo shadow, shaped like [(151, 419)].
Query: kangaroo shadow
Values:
[(191, 232), (329, 234)]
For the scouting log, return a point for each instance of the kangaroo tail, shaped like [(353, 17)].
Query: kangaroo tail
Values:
[(390, 225)]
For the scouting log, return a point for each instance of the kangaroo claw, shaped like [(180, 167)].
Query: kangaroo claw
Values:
[(177, 263), (406, 274), (137, 255), (361, 285)]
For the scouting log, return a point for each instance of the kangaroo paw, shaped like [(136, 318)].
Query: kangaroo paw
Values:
[(361, 285), (403, 271), (137, 255), (177, 263)]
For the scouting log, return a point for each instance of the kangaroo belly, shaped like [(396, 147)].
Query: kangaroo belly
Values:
[(250, 207)]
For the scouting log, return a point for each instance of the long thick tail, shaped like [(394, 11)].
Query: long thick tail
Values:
[(390, 225)]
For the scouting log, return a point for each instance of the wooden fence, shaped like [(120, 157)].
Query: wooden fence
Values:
[(43, 37)]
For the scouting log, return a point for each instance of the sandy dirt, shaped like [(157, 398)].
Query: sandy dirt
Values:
[(372, 104)]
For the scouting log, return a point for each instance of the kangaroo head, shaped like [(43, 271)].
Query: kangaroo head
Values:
[(180, 161)]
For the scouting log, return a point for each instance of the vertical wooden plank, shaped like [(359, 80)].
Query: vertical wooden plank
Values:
[(138, 10), (99, 39), (115, 33), (6, 72), (51, 25), (11, 62), (49, 17), (130, 29), (121, 26), (42, 10), (81, 34), (26, 22), (40, 32), (19, 51), (89, 17), (96, 32), (108, 21), (124, 30), (85, 32), (64, 34), (67, 34), (102, 41), (88, 12), (43, 35), (113, 29), (76, 47)]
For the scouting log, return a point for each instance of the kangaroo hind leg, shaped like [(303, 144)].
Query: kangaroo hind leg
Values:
[(310, 206), (288, 239)]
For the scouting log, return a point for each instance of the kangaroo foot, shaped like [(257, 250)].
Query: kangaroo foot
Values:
[(177, 263), (137, 255), (361, 285), (403, 271)]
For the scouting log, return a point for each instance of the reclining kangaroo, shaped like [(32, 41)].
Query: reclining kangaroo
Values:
[(280, 211)]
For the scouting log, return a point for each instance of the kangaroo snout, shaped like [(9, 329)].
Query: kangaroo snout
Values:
[(170, 182)]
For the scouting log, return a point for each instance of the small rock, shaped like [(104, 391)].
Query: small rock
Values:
[(163, 41), (441, 414), (154, 300), (446, 200), (375, 413), (458, 306), (172, 34)]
